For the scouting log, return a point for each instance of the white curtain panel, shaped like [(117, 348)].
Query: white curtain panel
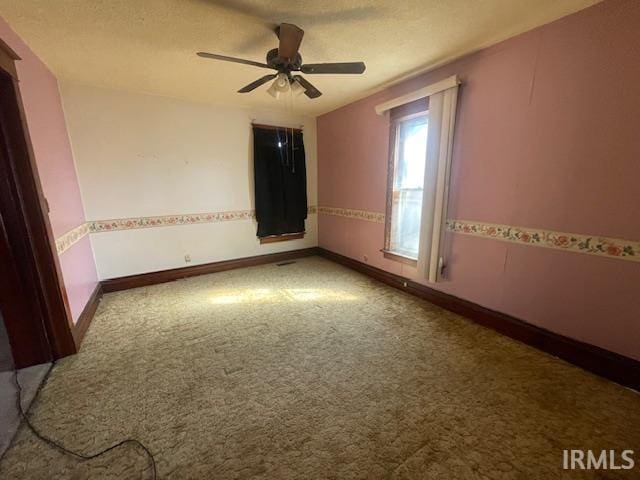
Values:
[(442, 115)]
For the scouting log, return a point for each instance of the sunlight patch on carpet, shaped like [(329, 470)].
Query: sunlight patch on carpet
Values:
[(271, 295)]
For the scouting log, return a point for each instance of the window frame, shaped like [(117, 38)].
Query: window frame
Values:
[(408, 111), (283, 237)]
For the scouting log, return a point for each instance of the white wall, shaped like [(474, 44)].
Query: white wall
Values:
[(142, 155)]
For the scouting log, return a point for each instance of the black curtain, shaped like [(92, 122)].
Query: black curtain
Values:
[(280, 179)]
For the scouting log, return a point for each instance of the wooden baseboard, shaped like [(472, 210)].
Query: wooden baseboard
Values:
[(607, 364), (152, 278), (84, 320)]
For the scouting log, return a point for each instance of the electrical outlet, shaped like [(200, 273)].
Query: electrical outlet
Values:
[(187, 258)]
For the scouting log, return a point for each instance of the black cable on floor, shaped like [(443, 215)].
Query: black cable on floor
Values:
[(59, 446)]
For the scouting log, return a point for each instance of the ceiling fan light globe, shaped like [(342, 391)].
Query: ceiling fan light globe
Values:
[(273, 91), (296, 88), (282, 83)]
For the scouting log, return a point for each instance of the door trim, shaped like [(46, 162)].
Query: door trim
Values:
[(42, 262)]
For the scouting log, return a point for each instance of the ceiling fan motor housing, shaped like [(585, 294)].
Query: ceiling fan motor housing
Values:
[(282, 64)]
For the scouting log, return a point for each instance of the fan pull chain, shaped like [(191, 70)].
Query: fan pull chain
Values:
[(293, 150)]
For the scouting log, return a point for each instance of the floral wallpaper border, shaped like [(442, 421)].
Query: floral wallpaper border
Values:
[(572, 242), (66, 241), (168, 220), (376, 217)]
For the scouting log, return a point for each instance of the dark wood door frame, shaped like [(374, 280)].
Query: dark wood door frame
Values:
[(32, 284)]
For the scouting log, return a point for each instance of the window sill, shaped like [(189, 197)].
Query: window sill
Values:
[(281, 238), (399, 258)]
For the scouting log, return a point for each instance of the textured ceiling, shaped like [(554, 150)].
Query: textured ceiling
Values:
[(149, 45)]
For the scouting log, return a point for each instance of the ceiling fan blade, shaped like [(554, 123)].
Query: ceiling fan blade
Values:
[(234, 60), (290, 38), (347, 67), (309, 90), (255, 84)]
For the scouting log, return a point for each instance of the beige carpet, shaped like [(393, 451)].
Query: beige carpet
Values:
[(312, 371)]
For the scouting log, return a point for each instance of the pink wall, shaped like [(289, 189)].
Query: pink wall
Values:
[(546, 137), (48, 132)]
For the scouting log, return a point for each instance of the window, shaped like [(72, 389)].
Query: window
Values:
[(409, 129), (418, 178), (280, 183)]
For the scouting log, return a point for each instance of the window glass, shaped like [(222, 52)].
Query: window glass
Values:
[(408, 181)]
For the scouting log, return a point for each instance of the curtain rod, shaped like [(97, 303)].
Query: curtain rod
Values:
[(276, 127)]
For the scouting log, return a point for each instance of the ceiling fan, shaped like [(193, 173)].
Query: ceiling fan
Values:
[(285, 60)]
